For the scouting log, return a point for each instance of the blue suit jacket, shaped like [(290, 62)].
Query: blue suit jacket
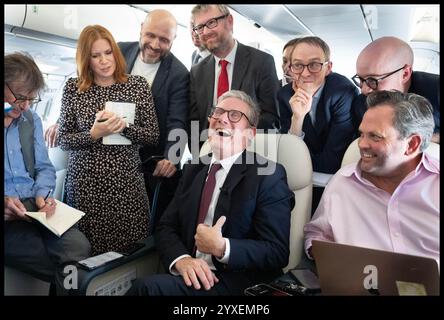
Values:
[(254, 73), (333, 130), (258, 211), (423, 83), (171, 97)]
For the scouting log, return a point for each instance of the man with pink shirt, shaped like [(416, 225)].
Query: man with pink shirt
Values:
[(388, 200)]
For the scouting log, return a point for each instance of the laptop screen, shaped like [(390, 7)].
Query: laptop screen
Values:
[(350, 270)]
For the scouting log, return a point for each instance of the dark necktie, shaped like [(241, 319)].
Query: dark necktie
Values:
[(222, 84), (207, 194)]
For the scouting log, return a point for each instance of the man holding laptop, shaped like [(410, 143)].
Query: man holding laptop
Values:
[(389, 199)]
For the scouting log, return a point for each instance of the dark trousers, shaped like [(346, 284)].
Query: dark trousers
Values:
[(317, 194), (166, 193), (32, 248), (169, 285)]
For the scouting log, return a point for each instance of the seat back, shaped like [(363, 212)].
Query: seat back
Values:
[(59, 159), (352, 153), (291, 152), (19, 283)]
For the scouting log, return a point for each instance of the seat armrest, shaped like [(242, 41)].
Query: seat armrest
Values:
[(85, 276)]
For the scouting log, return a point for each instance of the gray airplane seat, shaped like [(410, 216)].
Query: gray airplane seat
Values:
[(20, 283), (116, 277), (113, 278)]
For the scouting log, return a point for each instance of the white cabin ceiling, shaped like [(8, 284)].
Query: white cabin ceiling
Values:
[(341, 26)]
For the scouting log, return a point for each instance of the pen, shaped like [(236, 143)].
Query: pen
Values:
[(47, 196), (103, 120)]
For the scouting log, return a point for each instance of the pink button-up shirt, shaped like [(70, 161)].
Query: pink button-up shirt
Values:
[(354, 211)]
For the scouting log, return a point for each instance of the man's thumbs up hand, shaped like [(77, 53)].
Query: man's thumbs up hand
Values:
[(219, 223), (209, 239)]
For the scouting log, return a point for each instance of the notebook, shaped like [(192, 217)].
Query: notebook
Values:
[(349, 270), (63, 218), (122, 109)]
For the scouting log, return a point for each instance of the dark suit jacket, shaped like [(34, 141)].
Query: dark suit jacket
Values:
[(171, 97), (254, 73), (333, 132), (423, 83), (257, 208)]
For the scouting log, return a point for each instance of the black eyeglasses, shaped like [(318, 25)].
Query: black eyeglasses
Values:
[(21, 99), (313, 67), (210, 24), (233, 115), (371, 82)]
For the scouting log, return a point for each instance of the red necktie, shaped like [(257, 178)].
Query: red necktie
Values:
[(207, 194), (222, 84)]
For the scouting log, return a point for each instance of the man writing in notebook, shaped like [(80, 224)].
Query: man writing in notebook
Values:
[(29, 179), (228, 224)]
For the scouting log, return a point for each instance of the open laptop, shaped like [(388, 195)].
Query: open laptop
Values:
[(350, 270)]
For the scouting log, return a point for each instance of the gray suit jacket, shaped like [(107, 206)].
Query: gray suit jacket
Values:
[(170, 91), (254, 73)]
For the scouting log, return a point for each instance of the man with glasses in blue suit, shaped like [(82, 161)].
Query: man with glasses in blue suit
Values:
[(316, 107), (387, 64)]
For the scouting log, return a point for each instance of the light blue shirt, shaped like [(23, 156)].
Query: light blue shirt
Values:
[(17, 181), (314, 107), (314, 104)]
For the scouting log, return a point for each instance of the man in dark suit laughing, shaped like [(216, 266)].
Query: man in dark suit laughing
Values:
[(228, 225)]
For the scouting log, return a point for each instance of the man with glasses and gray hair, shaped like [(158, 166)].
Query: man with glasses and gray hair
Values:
[(228, 225), (232, 66), (316, 106), (386, 64)]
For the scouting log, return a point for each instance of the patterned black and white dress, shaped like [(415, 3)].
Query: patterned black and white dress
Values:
[(105, 181)]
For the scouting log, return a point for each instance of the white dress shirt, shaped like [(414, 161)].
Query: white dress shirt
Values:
[(230, 67)]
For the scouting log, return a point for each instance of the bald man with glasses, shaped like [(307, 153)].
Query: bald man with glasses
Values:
[(387, 64)]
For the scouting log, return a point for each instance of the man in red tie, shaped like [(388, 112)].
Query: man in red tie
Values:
[(228, 225), (231, 66)]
